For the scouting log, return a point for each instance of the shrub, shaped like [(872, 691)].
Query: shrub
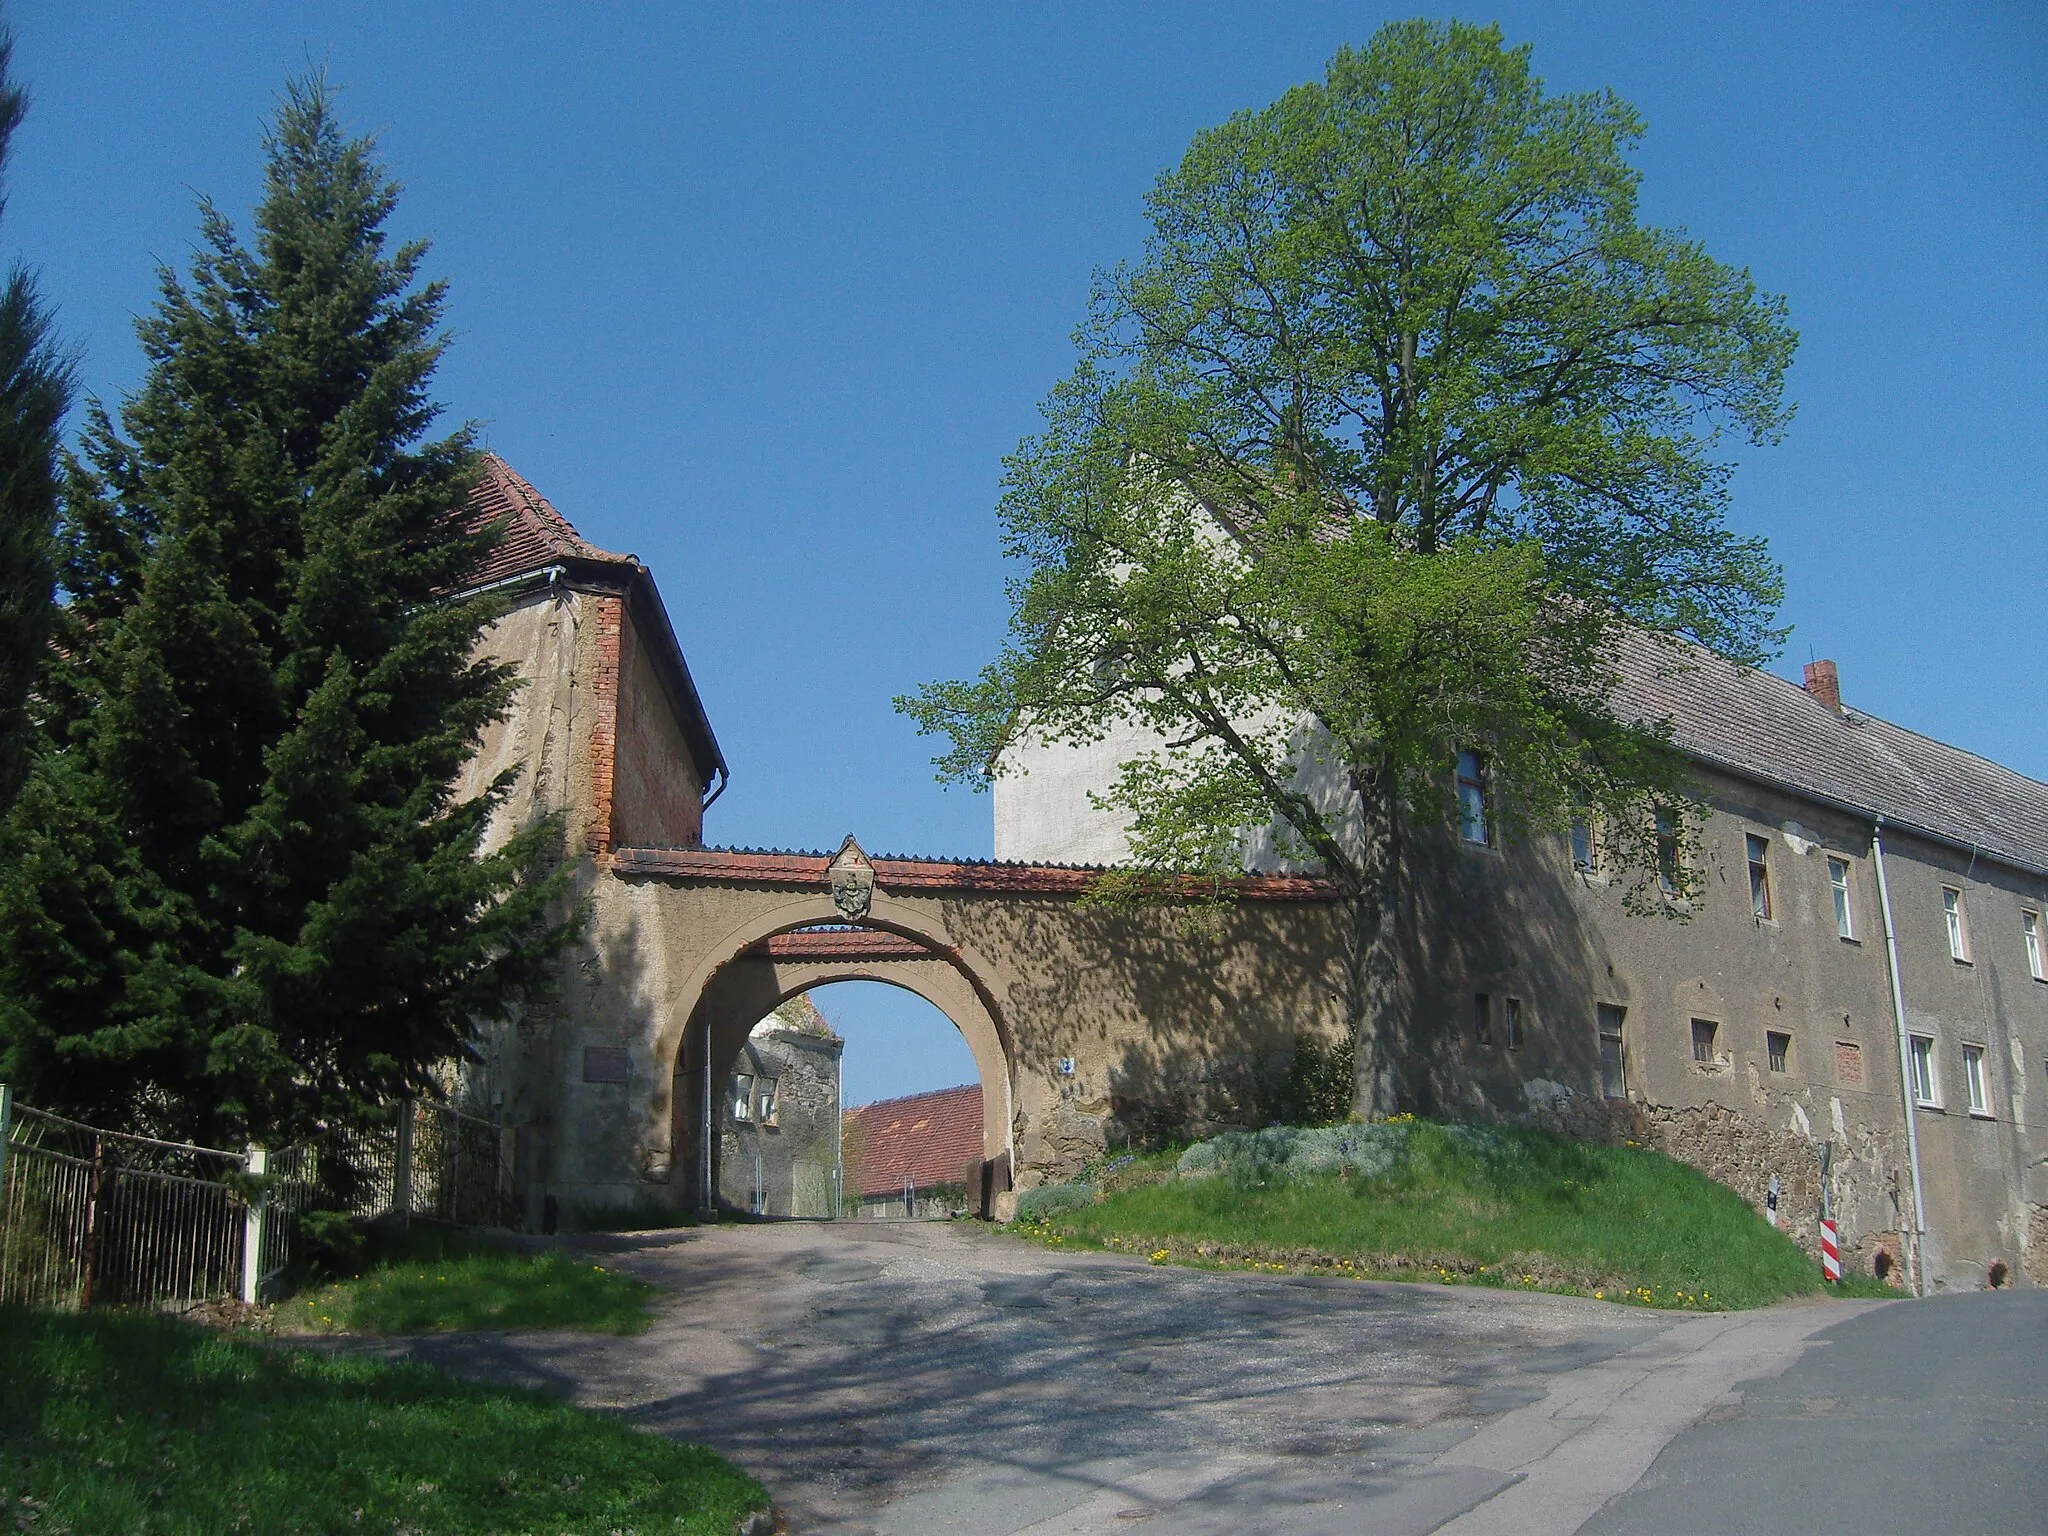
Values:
[(1051, 1200)]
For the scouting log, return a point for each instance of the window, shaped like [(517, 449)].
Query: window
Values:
[(1582, 843), (1613, 1083), (743, 1096), (1759, 876), (765, 1101), (1703, 1033), (2030, 930), (1482, 1019), (1958, 929), (1513, 1022), (1472, 798), (1925, 1089), (1973, 1080), (1667, 852), (1838, 883), (1778, 1050)]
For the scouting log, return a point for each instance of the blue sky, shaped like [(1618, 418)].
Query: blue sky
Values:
[(763, 295)]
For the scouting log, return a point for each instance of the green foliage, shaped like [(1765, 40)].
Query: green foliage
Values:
[(1051, 1200), (237, 896), (131, 1425), (438, 1281), (1400, 427), (35, 388), (1478, 1204), (1320, 1077)]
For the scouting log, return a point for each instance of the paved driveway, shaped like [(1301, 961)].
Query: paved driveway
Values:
[(910, 1377)]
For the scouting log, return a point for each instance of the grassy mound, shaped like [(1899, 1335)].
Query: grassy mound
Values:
[(1409, 1199), (437, 1281), (130, 1424)]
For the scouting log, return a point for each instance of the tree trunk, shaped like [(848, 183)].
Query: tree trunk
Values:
[(1373, 961)]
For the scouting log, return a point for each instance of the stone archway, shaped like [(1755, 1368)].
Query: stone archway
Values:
[(760, 976)]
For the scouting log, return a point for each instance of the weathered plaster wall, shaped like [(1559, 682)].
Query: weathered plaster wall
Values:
[(545, 737), (657, 799)]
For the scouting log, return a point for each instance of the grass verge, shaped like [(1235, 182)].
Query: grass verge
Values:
[(1512, 1208), (129, 1424), (436, 1281)]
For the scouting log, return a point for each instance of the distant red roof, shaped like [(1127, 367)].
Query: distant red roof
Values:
[(536, 535), (932, 1138)]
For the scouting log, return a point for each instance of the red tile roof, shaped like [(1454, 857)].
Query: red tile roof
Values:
[(842, 944), (750, 866), (536, 535), (931, 1138)]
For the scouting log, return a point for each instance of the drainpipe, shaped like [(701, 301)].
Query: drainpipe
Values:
[(704, 1202), (1891, 955)]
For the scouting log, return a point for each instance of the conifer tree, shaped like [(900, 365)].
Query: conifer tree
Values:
[(238, 897), (35, 387)]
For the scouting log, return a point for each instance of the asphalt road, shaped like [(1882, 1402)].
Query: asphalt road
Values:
[(896, 1378), (1927, 1417)]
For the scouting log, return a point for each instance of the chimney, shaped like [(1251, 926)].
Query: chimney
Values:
[(1825, 684)]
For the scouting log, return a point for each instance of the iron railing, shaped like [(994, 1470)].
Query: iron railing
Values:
[(94, 1217)]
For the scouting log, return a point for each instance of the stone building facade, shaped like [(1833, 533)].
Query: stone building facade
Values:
[(1873, 911), (780, 1132)]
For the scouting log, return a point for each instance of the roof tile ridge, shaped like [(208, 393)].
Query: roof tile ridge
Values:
[(909, 1098), (547, 518)]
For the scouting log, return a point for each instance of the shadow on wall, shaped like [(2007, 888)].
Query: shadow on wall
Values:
[(1189, 1018)]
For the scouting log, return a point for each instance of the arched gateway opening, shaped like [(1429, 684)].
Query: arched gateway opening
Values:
[(763, 973)]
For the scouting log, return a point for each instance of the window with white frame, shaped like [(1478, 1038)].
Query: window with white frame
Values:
[(1582, 842), (1777, 1051), (1974, 1081), (2030, 931), (1759, 851), (765, 1102), (743, 1096), (1667, 853), (1958, 926), (1704, 1034), (1472, 798), (1921, 1055), (1838, 886)]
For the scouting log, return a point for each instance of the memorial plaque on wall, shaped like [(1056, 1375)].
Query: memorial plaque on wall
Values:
[(606, 1064)]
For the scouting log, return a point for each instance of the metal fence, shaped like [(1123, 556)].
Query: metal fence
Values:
[(90, 1217)]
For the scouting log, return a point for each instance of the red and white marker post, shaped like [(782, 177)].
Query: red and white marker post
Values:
[(1830, 1241)]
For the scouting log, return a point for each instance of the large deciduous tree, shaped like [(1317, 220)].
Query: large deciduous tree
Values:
[(1402, 423), (238, 896), (35, 388)]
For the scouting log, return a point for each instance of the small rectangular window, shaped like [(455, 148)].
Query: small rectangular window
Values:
[(1778, 1050), (1838, 884), (1582, 843), (2030, 930), (1974, 1081), (1513, 1022), (1759, 876), (743, 1096), (765, 1101), (1925, 1089), (1667, 852), (1472, 798), (1613, 1065), (1958, 928), (1703, 1033), (1482, 1019)]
